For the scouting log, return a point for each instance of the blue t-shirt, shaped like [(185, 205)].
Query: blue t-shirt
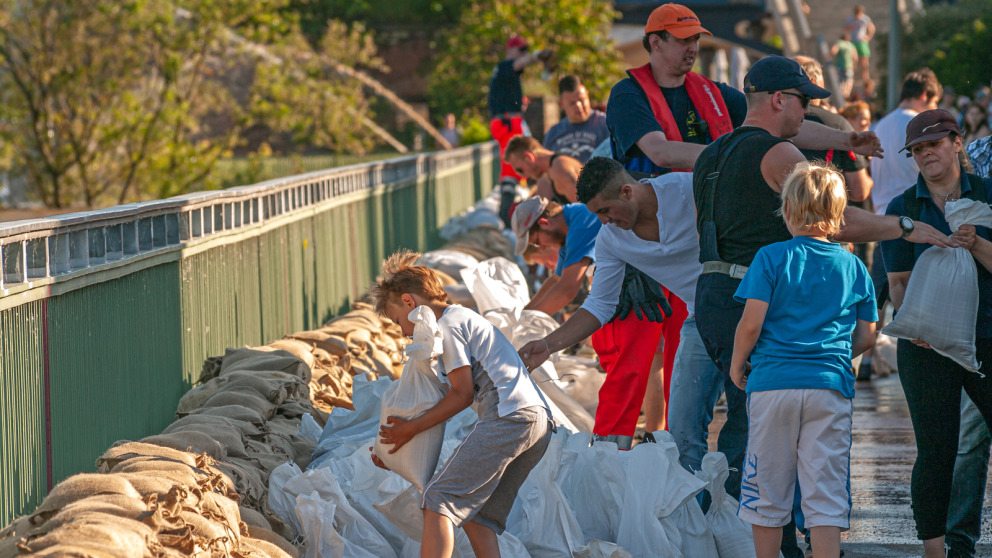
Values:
[(629, 117), (816, 291), (901, 255), (505, 93), (580, 242), (578, 140)]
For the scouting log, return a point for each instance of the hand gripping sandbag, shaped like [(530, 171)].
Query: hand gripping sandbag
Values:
[(733, 536), (417, 390), (941, 301)]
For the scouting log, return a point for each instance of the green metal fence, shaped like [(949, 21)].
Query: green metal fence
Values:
[(106, 316)]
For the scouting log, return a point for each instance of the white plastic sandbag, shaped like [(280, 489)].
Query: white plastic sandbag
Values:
[(340, 518), (941, 301), (496, 283), (541, 516), (640, 531), (601, 549), (417, 391), (733, 535), (595, 490)]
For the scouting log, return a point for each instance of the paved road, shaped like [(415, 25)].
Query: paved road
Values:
[(882, 460)]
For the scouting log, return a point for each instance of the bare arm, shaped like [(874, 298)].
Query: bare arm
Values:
[(563, 291), (897, 287), (522, 62), (582, 324), (545, 287), (544, 188), (863, 337), (564, 174), (863, 226), (814, 135), (748, 330), (859, 184), (669, 154), (778, 162), (400, 431)]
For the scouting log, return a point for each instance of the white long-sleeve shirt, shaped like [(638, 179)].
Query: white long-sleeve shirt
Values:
[(673, 261)]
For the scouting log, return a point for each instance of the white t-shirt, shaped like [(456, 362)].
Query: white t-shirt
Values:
[(861, 24), (895, 172), (468, 339), (673, 261)]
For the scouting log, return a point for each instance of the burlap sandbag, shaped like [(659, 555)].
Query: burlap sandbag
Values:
[(331, 342), (78, 487), (196, 397), (269, 536), (246, 477), (253, 518), (234, 412), (253, 361), (171, 470), (274, 386), (220, 509), (123, 450), (107, 533), (243, 427), (245, 397), (300, 349), (68, 551), (195, 442), (251, 548)]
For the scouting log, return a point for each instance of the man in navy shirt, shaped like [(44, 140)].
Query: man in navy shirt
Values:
[(582, 129)]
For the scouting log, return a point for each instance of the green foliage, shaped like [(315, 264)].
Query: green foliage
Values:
[(476, 131), (577, 30), (952, 39), (106, 101), (314, 14)]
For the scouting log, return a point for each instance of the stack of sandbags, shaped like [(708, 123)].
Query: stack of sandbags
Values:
[(359, 342), (482, 243), (147, 500)]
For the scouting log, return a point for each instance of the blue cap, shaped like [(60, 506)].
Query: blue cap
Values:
[(778, 73)]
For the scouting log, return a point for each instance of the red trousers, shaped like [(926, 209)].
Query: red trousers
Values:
[(626, 349), (502, 129)]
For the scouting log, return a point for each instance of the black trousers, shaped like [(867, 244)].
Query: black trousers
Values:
[(932, 384)]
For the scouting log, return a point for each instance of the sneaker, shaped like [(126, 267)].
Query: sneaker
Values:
[(864, 372)]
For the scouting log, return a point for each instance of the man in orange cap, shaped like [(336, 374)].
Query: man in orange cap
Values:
[(662, 116)]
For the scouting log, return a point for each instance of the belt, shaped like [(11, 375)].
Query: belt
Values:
[(733, 270), (506, 115)]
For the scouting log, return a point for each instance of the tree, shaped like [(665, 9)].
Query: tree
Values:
[(950, 39), (105, 101), (578, 31)]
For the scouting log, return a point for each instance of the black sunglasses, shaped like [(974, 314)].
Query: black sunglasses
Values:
[(803, 99)]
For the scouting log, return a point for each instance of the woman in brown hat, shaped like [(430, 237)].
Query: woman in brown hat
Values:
[(932, 382)]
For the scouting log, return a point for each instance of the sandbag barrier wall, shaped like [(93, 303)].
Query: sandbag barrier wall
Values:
[(106, 316)]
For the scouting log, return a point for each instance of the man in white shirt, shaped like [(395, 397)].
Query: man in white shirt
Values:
[(893, 174), (659, 239)]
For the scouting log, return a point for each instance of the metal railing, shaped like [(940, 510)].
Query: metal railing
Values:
[(106, 316), (37, 251)]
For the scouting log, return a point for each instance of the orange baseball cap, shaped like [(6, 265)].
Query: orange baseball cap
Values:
[(678, 20)]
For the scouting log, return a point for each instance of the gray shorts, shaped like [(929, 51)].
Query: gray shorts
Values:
[(481, 479)]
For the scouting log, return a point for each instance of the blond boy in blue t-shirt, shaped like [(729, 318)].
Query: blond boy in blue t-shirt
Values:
[(809, 308)]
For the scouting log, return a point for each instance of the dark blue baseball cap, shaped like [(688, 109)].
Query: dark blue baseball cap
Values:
[(778, 73)]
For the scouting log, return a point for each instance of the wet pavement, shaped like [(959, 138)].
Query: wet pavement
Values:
[(882, 458)]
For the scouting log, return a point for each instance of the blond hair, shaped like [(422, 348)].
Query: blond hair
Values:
[(814, 198), (401, 275)]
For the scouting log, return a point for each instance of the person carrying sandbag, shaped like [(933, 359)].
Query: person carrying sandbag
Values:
[(477, 486), (932, 381)]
